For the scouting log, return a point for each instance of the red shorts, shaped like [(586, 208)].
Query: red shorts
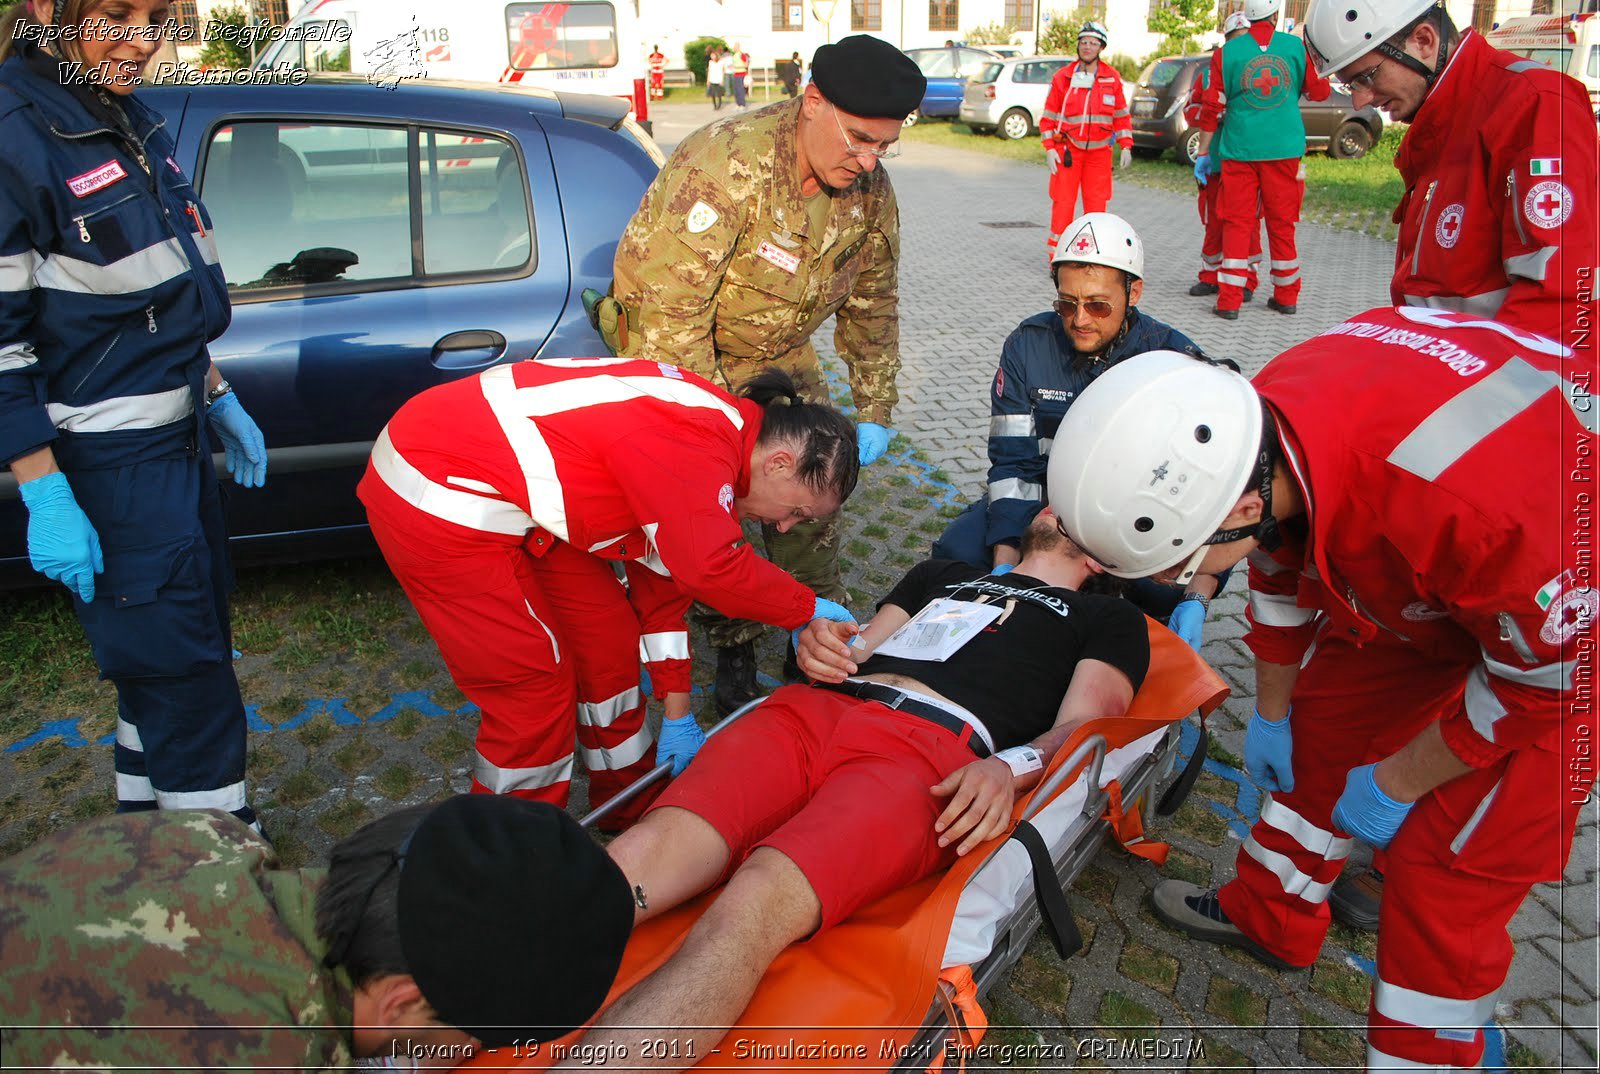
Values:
[(838, 785)]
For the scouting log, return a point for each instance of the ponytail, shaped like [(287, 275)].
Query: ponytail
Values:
[(823, 439)]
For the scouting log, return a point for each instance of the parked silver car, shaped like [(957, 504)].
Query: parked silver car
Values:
[(1007, 97)]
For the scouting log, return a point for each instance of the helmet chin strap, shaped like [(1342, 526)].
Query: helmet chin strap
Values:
[(1405, 59), (1266, 532)]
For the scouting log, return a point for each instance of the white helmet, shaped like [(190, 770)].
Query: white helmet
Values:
[(1101, 239), (1237, 21), (1096, 31), (1151, 459), (1339, 32), (1255, 10)]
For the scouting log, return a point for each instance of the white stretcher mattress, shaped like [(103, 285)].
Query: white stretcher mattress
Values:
[(1005, 881)]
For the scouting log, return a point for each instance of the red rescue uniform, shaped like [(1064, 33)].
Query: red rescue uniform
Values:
[(1499, 214), (1435, 581), (1085, 112), (502, 503), (658, 75)]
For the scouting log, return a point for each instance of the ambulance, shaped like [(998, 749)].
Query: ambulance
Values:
[(586, 46), (1569, 43)]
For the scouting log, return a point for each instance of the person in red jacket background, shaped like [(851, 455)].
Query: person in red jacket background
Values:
[(1499, 163), (503, 503), (658, 74), (1210, 201), (1084, 113)]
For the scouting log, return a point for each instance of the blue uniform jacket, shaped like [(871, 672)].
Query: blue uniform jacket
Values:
[(109, 283), (1036, 382)]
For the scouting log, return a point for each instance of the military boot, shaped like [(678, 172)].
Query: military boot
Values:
[(736, 676), (1356, 898)]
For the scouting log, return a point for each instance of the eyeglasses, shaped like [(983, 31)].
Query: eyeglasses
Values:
[(1098, 308), (892, 149), (1354, 82)]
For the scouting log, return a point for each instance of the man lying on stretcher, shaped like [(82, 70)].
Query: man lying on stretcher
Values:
[(829, 796)]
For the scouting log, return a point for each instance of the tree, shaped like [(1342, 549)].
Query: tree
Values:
[(694, 54), (994, 33), (1181, 22), (1060, 37), (224, 51)]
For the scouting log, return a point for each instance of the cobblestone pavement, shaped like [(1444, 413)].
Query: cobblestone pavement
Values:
[(352, 715)]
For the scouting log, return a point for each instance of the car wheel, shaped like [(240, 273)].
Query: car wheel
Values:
[(1189, 146), (1351, 141), (912, 118), (1147, 152), (1015, 125)]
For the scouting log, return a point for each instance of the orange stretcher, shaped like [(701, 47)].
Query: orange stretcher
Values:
[(889, 987)]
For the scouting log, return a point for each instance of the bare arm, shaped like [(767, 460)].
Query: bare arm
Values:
[(825, 653)]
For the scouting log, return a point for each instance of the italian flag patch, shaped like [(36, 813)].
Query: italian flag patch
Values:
[(1544, 166), (1550, 591)]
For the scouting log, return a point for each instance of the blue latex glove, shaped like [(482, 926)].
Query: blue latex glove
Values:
[(1188, 621), (680, 740), (826, 609), (1268, 745), (1202, 168), (1004, 568), (62, 543), (1366, 812), (241, 440), (872, 440)]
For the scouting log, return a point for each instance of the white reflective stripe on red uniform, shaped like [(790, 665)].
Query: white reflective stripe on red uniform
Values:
[(605, 713), (1533, 265), (1477, 818), (504, 780), (1294, 881), (666, 645), (1432, 1012), (1316, 840), (1278, 610), (620, 756), (1486, 304), (229, 798), (462, 508), (151, 411)]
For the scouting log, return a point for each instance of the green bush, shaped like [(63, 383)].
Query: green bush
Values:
[(1126, 66), (994, 33), (225, 53), (1060, 38), (694, 55)]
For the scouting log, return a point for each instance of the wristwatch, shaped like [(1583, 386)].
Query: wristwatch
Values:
[(1205, 602), (1021, 760), (222, 388)]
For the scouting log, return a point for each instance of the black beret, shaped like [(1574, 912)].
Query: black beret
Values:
[(512, 919), (866, 76)]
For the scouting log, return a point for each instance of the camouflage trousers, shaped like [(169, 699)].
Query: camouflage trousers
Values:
[(810, 550)]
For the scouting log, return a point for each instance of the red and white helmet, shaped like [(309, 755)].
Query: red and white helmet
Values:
[(1101, 239), (1150, 460)]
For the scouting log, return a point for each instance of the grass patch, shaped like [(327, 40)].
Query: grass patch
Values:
[(1356, 195), (1222, 755), (280, 709), (344, 818), (1096, 884), (405, 724), (262, 761), (451, 748), (1216, 1056), (66, 778), (39, 756), (1150, 966), (314, 733), (292, 850), (297, 654), (1331, 1046), (256, 633), (450, 698), (90, 806), (1042, 982), (1235, 1003), (300, 787), (352, 757), (1124, 1018), (1198, 820), (397, 781), (1190, 867), (45, 653), (875, 531), (860, 549), (1343, 984)]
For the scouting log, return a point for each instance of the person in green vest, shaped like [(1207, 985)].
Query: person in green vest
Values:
[(175, 940), (1257, 79), (1210, 200)]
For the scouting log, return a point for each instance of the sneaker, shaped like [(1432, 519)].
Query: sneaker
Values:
[(1227, 315), (791, 665), (1203, 289), (736, 677), (1286, 308), (1356, 897), (1196, 911), (1249, 293)]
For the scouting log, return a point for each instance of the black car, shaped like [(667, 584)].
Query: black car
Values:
[(1164, 88)]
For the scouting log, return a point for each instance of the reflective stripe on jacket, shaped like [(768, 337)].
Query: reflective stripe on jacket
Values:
[(1087, 117)]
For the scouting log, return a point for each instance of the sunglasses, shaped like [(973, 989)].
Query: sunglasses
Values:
[(1098, 308)]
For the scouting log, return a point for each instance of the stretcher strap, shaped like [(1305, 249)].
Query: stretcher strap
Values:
[(1053, 905), (958, 996), (1128, 826)]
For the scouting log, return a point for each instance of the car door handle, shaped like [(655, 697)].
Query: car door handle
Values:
[(472, 349)]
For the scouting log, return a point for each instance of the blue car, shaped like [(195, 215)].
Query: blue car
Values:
[(377, 242), (947, 69)]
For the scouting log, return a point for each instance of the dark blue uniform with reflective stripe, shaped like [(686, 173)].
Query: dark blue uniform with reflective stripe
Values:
[(109, 294)]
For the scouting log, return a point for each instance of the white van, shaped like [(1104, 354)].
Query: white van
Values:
[(1570, 44), (585, 46)]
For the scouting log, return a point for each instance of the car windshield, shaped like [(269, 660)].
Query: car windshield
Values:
[(990, 73), (1160, 74)]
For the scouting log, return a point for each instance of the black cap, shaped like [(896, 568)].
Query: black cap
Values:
[(866, 76), (512, 919)]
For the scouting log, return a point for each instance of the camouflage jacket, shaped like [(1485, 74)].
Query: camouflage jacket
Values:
[(177, 923), (718, 261)]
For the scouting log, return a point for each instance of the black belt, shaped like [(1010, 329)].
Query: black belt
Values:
[(900, 701)]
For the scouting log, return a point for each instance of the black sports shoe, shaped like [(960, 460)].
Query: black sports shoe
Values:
[(1203, 289), (736, 677), (1196, 911), (1356, 897), (1226, 315), (1249, 293), (1286, 308)]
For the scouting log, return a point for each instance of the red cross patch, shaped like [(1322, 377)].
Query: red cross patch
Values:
[(1447, 232), (1547, 205)]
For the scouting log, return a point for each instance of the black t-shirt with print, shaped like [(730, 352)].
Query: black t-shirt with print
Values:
[(1014, 673)]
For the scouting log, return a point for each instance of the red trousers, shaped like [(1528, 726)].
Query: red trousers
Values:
[(1090, 173), (1256, 189), (1459, 868), (1210, 206), (657, 85), (547, 647)]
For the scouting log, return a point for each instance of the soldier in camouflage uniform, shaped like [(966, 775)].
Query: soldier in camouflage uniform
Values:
[(759, 229), (482, 912)]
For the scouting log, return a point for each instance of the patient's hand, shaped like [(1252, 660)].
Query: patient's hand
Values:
[(981, 796), (824, 651)]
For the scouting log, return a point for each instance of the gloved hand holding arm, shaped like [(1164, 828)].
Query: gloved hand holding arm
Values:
[(1268, 748), (62, 542), (241, 439), (1365, 811), (872, 440), (826, 609)]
